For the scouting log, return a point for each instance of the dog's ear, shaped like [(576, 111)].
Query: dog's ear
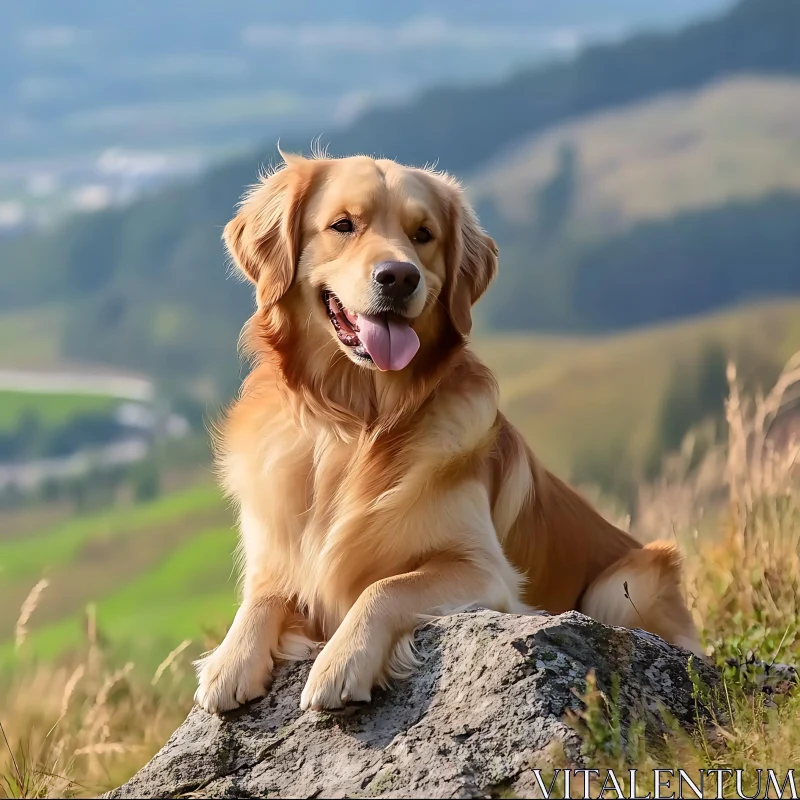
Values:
[(264, 238), (471, 260)]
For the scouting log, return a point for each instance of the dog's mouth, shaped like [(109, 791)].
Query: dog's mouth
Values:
[(386, 339)]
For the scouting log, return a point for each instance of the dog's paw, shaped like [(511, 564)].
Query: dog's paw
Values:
[(341, 675), (227, 680)]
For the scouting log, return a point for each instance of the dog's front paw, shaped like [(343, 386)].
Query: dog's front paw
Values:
[(341, 675), (229, 679)]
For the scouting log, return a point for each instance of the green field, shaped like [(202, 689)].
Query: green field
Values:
[(30, 342), (162, 572), (158, 572), (189, 592), (51, 410)]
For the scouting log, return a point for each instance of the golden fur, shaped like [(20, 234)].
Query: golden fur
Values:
[(371, 500)]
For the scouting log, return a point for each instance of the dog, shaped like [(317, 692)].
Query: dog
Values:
[(377, 484)]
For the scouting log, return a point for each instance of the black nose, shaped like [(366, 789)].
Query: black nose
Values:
[(396, 279)]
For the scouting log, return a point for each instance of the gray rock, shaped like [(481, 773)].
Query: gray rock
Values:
[(487, 705)]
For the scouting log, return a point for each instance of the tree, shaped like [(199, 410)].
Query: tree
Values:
[(146, 480), (556, 198)]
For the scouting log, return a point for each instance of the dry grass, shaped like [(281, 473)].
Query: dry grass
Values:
[(83, 727), (735, 507), (736, 511)]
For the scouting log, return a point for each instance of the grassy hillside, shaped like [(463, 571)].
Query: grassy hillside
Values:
[(593, 403), (666, 208), (162, 572), (735, 140), (154, 568)]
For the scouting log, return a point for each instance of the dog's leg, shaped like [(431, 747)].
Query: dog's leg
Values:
[(359, 655), (643, 590), (240, 669)]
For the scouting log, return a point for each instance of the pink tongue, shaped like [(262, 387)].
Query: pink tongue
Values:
[(391, 343)]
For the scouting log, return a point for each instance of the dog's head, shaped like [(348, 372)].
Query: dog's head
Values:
[(382, 258)]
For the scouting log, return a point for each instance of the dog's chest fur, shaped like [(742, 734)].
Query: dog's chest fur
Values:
[(328, 515)]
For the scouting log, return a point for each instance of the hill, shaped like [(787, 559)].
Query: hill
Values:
[(161, 572), (695, 262), (145, 287), (735, 139), (592, 408), (647, 212), (174, 550)]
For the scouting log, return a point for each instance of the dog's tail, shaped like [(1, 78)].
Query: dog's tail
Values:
[(643, 590)]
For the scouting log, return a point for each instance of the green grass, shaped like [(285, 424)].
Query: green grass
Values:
[(51, 410), (51, 548), (91, 557), (157, 573), (190, 591)]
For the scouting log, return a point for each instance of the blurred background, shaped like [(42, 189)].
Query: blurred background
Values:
[(637, 162)]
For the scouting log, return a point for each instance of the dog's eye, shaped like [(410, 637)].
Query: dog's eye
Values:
[(423, 236), (343, 226)]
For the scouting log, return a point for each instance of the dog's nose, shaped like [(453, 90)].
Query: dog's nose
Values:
[(396, 279)]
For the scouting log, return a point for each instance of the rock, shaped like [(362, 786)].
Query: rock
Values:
[(487, 705)]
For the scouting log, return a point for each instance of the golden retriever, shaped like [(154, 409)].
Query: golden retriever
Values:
[(376, 482)]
